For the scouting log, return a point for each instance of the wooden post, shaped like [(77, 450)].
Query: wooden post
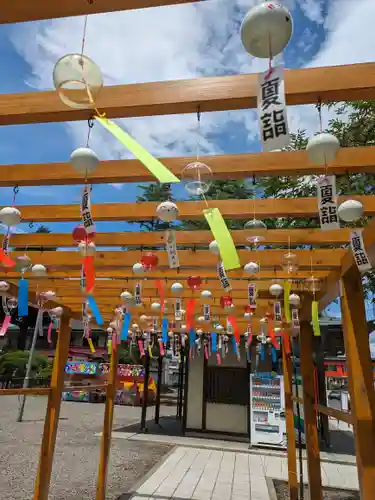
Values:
[(43, 478), (289, 418), (158, 389), (308, 395), (321, 387), (186, 389), (180, 383), (105, 443), (360, 379)]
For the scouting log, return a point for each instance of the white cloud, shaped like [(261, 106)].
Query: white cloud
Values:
[(185, 41)]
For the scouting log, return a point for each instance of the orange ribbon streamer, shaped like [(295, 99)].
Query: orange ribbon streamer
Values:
[(88, 267), (272, 336), (190, 314), (286, 343), (5, 259), (232, 320), (159, 286)]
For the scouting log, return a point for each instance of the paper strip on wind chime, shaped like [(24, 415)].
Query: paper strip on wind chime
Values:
[(327, 203), (23, 297), (223, 278), (315, 317), (95, 310), (125, 326), (222, 235), (274, 131), (155, 166), (252, 295), (177, 309), (359, 251), (171, 246)]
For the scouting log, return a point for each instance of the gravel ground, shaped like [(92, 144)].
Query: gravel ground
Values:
[(77, 451), (282, 493)]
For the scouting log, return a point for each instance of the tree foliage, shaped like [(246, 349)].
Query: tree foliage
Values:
[(14, 364)]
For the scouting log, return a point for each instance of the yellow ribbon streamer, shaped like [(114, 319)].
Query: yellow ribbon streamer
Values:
[(315, 317), (109, 346), (221, 233), (91, 345), (150, 351), (155, 166), (287, 289)]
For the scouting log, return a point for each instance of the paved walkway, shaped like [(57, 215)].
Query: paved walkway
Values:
[(203, 474)]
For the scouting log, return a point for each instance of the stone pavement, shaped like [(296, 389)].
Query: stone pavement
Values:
[(207, 474)]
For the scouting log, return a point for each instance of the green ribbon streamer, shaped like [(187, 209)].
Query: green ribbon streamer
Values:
[(155, 166), (315, 317), (228, 252), (287, 289)]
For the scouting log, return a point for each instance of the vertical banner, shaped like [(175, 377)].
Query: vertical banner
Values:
[(359, 251), (207, 312), (222, 275), (138, 294), (5, 245), (213, 341), (125, 326), (277, 313), (230, 330), (178, 309), (252, 295), (86, 216), (164, 330), (295, 319), (155, 324), (327, 203), (274, 131), (170, 238)]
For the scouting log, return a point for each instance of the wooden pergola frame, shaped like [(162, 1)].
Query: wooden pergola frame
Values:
[(113, 269)]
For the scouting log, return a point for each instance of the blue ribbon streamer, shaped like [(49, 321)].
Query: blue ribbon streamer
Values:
[(95, 310), (273, 352), (213, 341), (262, 352), (234, 345), (192, 337), (164, 330), (125, 326), (23, 297)]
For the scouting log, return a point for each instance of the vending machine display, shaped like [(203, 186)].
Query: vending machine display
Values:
[(267, 409)]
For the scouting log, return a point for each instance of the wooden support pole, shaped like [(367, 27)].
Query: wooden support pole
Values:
[(43, 478), (360, 378), (181, 383), (186, 388), (158, 389), (145, 393), (311, 430), (289, 418), (105, 443), (321, 388)]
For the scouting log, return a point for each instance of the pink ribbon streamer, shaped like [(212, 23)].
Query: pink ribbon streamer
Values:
[(218, 359), (114, 341), (5, 325), (49, 332), (161, 348), (141, 348), (206, 352)]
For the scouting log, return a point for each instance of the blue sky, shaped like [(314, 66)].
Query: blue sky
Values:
[(183, 41)]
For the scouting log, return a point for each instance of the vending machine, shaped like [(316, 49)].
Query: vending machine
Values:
[(267, 409)]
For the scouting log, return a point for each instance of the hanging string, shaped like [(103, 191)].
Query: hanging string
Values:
[(198, 131), (319, 108), (84, 34), (270, 58)]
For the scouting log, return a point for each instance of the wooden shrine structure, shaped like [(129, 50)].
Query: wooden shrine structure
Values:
[(336, 269)]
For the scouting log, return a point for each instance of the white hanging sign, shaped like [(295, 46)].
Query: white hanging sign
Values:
[(82, 281), (295, 319), (207, 312), (277, 313), (222, 275), (170, 238), (86, 216), (229, 327), (359, 251), (178, 309), (274, 130), (155, 324), (327, 203), (252, 294), (138, 294), (5, 245)]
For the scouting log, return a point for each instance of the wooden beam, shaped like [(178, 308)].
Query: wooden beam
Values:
[(302, 86), (289, 419), (20, 11), (322, 258), (240, 166), (336, 414), (189, 210), (43, 478), (185, 238), (105, 442), (208, 275), (360, 378), (307, 372)]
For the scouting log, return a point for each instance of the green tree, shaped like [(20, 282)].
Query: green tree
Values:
[(127, 356), (13, 364)]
